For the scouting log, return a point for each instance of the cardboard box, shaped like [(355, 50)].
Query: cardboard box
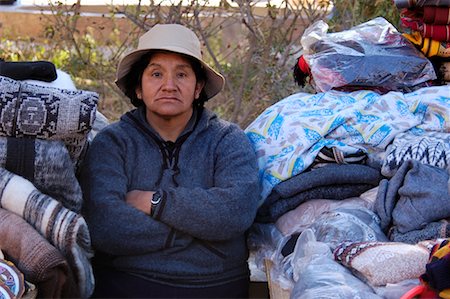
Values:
[(275, 290)]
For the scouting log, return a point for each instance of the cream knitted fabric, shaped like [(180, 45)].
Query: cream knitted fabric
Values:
[(380, 263)]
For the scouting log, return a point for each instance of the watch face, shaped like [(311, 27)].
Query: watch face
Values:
[(156, 198)]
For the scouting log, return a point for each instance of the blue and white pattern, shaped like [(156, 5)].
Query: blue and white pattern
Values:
[(288, 135)]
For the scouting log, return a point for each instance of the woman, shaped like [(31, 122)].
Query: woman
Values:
[(170, 189)]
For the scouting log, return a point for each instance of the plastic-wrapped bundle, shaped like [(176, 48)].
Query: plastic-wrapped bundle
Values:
[(318, 275), (372, 55), (348, 224)]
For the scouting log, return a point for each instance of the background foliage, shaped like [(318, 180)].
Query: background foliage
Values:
[(254, 48)]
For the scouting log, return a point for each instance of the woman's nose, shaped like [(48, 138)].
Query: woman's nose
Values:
[(169, 82)]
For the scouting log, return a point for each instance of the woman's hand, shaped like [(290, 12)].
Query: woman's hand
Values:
[(140, 199)]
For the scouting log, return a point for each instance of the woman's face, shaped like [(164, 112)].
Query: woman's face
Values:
[(169, 86)]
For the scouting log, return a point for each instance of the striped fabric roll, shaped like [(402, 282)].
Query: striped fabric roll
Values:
[(420, 3), (439, 33), (438, 15), (63, 228), (46, 164)]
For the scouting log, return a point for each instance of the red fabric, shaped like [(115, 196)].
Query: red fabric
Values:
[(437, 32), (437, 15), (420, 291), (303, 65), (412, 24)]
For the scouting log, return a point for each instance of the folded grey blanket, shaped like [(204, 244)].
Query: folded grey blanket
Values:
[(415, 196), (334, 181), (432, 231), (46, 164), (63, 228), (28, 110)]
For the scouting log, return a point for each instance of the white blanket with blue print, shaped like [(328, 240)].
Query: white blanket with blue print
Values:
[(288, 135)]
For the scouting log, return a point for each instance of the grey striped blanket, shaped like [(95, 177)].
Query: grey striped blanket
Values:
[(46, 164), (63, 228)]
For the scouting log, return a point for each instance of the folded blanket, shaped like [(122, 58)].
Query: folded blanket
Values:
[(415, 196), (435, 32), (420, 3), (40, 262), (28, 110), (438, 15), (46, 164), (329, 182), (429, 47), (63, 228), (432, 15), (432, 231), (288, 135), (431, 148), (380, 263)]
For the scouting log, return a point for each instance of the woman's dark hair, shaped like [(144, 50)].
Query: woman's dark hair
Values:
[(134, 78)]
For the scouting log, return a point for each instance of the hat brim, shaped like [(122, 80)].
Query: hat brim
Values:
[(214, 80)]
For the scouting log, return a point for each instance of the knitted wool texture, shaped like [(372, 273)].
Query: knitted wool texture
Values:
[(409, 202), (29, 110), (431, 148), (40, 262), (64, 229), (51, 168), (334, 181), (380, 263)]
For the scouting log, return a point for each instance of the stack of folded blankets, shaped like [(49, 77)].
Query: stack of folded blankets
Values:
[(43, 136), (427, 25), (355, 176)]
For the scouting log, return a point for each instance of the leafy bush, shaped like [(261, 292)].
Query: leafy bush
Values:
[(254, 48)]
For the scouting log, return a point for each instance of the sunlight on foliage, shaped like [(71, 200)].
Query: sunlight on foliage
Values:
[(254, 47)]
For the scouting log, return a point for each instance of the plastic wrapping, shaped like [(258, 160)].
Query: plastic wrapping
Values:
[(317, 275), (397, 290), (371, 55), (265, 242), (348, 224), (305, 214)]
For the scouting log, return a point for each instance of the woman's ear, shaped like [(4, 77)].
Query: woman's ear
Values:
[(198, 89), (138, 91)]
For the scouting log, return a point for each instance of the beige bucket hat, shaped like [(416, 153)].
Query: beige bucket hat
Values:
[(175, 38)]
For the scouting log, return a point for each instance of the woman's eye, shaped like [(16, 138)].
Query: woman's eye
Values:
[(182, 75), (156, 74)]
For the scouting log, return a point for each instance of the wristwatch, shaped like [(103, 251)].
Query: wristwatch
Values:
[(156, 199)]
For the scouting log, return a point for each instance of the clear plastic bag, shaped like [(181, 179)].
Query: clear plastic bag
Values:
[(318, 275), (300, 218), (265, 242), (356, 224), (371, 55)]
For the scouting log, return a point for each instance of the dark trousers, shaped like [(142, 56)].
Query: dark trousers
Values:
[(114, 284)]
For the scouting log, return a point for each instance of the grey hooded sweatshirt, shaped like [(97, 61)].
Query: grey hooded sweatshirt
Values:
[(210, 191)]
